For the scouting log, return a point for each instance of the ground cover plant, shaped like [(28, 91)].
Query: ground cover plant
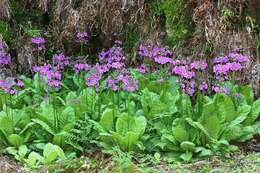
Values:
[(167, 105)]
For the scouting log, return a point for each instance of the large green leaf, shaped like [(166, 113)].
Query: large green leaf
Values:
[(255, 111), (248, 93), (126, 142), (15, 140), (125, 123), (52, 152), (140, 125), (67, 116), (107, 119), (44, 125), (6, 124), (199, 126), (226, 107), (212, 126), (180, 133)]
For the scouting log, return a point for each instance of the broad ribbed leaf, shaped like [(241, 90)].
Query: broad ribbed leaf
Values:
[(6, 124), (255, 111), (180, 134), (248, 93), (226, 107), (15, 140), (107, 119), (212, 126)]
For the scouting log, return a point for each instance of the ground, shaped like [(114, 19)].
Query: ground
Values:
[(237, 163)]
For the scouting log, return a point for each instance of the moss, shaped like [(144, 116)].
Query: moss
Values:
[(4, 30), (179, 24)]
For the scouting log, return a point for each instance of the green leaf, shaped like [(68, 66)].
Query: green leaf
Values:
[(226, 107), (107, 119), (212, 126), (67, 116), (22, 151), (140, 125), (180, 134), (44, 126), (52, 152), (198, 126), (188, 146), (247, 92), (15, 140), (186, 156), (126, 123), (255, 111), (126, 142), (34, 159), (6, 124)]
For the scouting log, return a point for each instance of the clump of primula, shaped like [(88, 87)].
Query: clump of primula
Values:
[(123, 81), (60, 60), (11, 85), (113, 58), (50, 74), (39, 43), (225, 68), (93, 77), (152, 55), (81, 67), (187, 71), (5, 58), (82, 37)]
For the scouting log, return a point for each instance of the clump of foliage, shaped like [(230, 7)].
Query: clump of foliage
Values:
[(175, 108), (177, 18)]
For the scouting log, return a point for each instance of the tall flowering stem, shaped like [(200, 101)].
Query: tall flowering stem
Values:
[(39, 46), (82, 38)]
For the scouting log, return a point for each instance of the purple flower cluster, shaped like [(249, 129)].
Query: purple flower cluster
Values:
[(113, 58), (11, 85), (39, 43), (82, 37), (142, 69), (5, 59), (233, 62), (187, 73), (79, 67), (123, 81), (60, 60), (155, 54), (50, 74)]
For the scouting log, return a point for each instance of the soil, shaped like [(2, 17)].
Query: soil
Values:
[(8, 165)]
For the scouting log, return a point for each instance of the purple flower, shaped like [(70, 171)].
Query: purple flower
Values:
[(199, 65), (142, 69), (183, 72), (11, 85), (82, 37), (38, 40), (39, 43), (112, 58), (203, 86), (238, 57), (60, 60), (51, 75), (81, 67), (93, 80), (235, 66), (220, 60), (143, 51), (5, 59), (219, 89)]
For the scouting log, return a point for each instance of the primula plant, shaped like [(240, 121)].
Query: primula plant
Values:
[(166, 103)]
